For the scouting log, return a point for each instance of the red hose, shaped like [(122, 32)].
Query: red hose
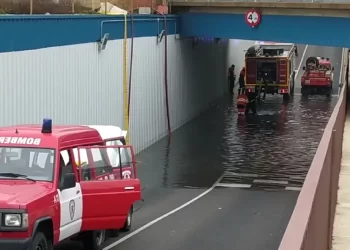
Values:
[(166, 72)]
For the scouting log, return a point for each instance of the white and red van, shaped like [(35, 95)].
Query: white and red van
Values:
[(63, 182)]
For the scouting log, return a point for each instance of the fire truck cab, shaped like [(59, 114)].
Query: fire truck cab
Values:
[(317, 76), (270, 69), (45, 197)]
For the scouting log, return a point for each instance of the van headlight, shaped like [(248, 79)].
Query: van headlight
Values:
[(15, 220)]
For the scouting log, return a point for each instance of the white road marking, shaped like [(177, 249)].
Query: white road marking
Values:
[(228, 173), (299, 94), (297, 177), (270, 182), (293, 188), (233, 185), (341, 70), (301, 60), (139, 230)]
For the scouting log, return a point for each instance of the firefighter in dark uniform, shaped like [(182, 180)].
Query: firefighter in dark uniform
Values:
[(231, 78), (241, 81)]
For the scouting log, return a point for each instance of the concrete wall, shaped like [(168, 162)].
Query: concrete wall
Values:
[(236, 52), (77, 84)]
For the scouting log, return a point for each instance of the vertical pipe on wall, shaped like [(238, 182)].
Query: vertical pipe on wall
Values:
[(131, 60), (125, 84)]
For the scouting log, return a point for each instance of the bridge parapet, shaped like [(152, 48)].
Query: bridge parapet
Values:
[(336, 8), (311, 223)]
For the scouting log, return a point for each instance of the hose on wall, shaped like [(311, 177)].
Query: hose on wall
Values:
[(166, 75), (166, 71)]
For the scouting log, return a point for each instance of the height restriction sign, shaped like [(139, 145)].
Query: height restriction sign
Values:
[(253, 17)]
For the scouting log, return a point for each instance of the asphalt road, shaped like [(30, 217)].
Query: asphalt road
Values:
[(247, 204)]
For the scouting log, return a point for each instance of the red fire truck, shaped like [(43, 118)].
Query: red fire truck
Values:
[(317, 77), (270, 69), (49, 195)]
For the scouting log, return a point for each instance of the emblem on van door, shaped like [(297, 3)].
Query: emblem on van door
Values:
[(71, 209), (126, 174)]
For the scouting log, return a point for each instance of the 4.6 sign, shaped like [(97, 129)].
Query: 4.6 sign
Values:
[(253, 17)]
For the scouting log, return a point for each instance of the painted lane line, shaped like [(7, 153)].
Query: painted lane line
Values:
[(228, 173), (270, 182), (299, 94), (293, 188), (233, 185), (297, 177), (139, 230), (341, 70), (302, 59)]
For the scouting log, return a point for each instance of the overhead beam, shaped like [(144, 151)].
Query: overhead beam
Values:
[(278, 8)]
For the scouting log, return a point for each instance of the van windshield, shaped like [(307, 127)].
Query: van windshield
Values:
[(34, 163)]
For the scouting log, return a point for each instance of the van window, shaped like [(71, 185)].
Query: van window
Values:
[(34, 163)]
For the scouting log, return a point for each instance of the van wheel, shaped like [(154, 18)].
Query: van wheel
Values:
[(127, 224), (40, 242), (93, 240)]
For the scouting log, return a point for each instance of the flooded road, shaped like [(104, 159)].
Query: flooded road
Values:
[(250, 169)]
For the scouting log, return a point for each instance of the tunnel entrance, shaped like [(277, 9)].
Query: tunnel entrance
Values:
[(251, 169)]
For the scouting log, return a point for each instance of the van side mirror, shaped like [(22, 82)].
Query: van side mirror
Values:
[(68, 181), (304, 68)]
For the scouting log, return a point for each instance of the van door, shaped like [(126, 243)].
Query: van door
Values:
[(71, 204), (107, 194), (126, 170)]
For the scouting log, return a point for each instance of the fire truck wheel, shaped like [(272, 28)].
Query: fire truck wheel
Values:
[(127, 225), (304, 92), (292, 87), (93, 240), (40, 242), (286, 97)]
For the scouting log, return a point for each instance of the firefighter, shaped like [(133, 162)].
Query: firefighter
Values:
[(241, 81), (242, 102), (231, 78), (251, 103), (296, 51)]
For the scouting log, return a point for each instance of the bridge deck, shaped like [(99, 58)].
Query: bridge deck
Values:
[(341, 227)]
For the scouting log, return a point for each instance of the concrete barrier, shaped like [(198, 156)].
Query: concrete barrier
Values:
[(311, 224)]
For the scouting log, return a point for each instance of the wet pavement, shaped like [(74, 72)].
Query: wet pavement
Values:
[(257, 162)]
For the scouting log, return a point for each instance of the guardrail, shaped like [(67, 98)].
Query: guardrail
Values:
[(311, 224), (268, 1)]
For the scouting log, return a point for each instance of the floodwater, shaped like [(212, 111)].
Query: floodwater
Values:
[(277, 145), (274, 147)]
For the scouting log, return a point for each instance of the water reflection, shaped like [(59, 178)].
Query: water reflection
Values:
[(276, 145)]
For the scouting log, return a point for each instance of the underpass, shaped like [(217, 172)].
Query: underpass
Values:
[(249, 169), (227, 182)]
